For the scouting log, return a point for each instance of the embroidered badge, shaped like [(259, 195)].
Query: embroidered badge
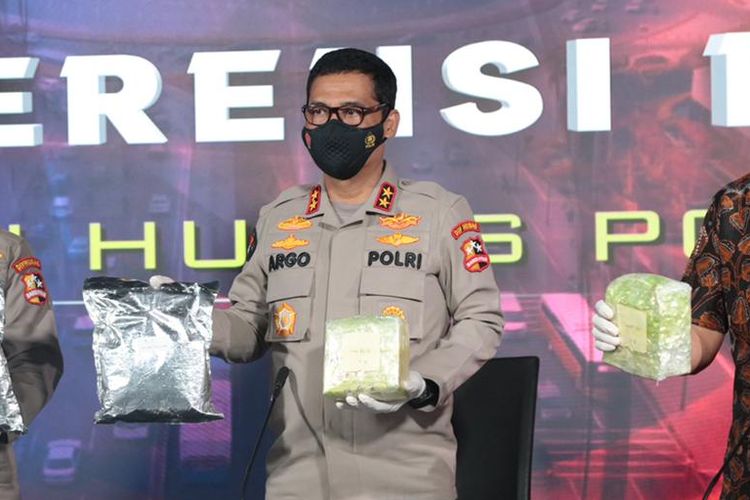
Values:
[(295, 223), (285, 319), (400, 221), (251, 245), (386, 197), (370, 140), (398, 239), (475, 255), (25, 263), (313, 204), (289, 243), (35, 291), (464, 227), (394, 311)]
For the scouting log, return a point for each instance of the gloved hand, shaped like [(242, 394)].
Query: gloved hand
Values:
[(415, 386), (157, 280), (606, 334)]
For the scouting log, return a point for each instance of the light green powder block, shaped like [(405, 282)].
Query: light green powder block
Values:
[(366, 354), (653, 315)]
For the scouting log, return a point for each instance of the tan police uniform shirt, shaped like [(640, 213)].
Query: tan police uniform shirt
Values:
[(29, 344), (412, 249)]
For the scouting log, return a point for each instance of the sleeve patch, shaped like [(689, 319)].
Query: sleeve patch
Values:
[(464, 227), (25, 263), (475, 255), (252, 245), (34, 288)]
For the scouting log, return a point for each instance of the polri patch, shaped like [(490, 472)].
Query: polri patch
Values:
[(35, 290), (464, 227), (475, 256), (386, 197), (25, 263)]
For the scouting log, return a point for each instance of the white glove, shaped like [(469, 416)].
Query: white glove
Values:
[(415, 386), (157, 280), (606, 334)]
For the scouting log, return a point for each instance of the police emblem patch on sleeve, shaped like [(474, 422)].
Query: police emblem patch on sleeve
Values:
[(252, 244), (35, 291), (475, 255)]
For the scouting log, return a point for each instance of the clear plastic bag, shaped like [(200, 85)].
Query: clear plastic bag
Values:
[(151, 350)]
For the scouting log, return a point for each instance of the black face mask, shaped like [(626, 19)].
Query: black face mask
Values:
[(340, 150)]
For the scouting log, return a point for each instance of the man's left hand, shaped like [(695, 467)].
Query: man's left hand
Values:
[(415, 386)]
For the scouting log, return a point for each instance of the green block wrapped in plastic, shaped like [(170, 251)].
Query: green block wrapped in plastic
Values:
[(653, 315), (366, 354)]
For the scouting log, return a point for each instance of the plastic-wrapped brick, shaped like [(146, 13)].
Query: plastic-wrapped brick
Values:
[(366, 354), (653, 315)]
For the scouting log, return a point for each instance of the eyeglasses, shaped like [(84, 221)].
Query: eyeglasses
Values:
[(320, 114)]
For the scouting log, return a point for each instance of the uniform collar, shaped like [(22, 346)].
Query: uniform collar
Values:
[(382, 200)]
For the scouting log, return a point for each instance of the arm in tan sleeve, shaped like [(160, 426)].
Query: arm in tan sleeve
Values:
[(473, 300), (30, 345), (238, 332)]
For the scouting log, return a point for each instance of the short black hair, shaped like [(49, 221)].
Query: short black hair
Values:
[(352, 60)]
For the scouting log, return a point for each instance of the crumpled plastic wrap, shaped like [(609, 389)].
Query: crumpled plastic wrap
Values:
[(366, 354), (653, 315), (151, 350), (11, 419)]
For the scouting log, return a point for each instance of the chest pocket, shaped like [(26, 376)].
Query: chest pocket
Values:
[(394, 292), (289, 298)]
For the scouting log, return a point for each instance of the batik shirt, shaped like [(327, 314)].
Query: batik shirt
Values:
[(719, 273)]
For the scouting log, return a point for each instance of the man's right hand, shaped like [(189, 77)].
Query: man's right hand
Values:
[(157, 280), (606, 334)]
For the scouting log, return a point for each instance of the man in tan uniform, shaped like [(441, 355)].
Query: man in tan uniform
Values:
[(363, 241), (29, 344)]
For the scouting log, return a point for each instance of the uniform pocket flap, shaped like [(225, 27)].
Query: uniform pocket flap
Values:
[(392, 282), (288, 284)]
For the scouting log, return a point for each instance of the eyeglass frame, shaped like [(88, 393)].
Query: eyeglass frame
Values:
[(335, 111)]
